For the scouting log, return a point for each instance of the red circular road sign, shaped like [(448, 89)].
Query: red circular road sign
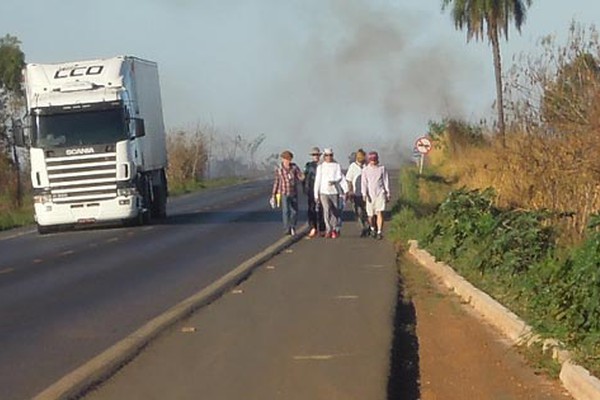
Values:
[(423, 145)]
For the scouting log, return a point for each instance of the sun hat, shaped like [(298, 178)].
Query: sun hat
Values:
[(315, 151), (327, 151)]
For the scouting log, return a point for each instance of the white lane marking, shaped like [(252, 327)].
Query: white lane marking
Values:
[(66, 253), (112, 240), (374, 266), (237, 291), (270, 267), (319, 357), (37, 260), (347, 297), (6, 271)]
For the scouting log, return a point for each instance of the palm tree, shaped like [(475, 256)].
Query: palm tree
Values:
[(491, 18)]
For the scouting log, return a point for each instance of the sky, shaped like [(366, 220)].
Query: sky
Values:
[(328, 73)]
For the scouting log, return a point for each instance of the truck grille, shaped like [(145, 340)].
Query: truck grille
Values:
[(83, 178)]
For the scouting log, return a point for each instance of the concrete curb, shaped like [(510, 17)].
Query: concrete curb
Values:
[(576, 379), (111, 360)]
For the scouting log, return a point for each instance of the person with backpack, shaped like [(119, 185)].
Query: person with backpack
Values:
[(315, 213), (353, 176), (376, 190), (285, 187)]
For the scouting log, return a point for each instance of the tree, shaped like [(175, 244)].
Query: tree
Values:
[(12, 61), (570, 102), (489, 18)]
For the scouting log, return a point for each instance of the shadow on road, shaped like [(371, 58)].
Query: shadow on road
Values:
[(210, 217), (403, 382)]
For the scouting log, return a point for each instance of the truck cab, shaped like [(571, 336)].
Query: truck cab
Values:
[(97, 142)]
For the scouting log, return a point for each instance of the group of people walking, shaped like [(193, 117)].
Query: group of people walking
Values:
[(365, 185)]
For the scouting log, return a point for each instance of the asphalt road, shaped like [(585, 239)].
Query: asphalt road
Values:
[(66, 297), (313, 323)]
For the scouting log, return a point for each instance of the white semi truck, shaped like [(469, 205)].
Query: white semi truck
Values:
[(97, 142)]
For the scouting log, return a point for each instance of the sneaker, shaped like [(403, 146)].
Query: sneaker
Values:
[(334, 235), (312, 233), (327, 235)]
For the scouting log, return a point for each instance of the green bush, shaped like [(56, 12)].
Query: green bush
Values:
[(512, 255), (463, 217)]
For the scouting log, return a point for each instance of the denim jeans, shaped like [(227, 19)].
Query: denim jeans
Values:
[(289, 210)]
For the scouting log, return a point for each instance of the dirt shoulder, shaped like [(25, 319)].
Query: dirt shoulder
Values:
[(459, 356)]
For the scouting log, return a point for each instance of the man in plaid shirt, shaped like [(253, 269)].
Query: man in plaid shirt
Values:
[(285, 187)]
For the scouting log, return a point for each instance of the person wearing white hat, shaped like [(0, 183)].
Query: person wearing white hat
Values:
[(330, 184)]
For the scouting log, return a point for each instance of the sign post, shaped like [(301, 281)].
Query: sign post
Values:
[(423, 146)]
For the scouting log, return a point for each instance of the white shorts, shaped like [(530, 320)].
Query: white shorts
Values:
[(376, 205)]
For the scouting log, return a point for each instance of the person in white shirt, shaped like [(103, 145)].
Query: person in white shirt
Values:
[(330, 184), (353, 176)]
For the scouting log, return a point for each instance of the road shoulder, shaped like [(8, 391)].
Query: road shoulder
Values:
[(460, 355)]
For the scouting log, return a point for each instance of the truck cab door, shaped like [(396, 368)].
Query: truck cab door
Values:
[(136, 132)]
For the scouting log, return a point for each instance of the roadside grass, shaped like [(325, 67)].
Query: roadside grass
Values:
[(190, 186), (420, 195), (13, 218), (513, 255), (541, 360)]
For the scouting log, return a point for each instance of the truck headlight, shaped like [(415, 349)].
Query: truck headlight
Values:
[(126, 192), (125, 189), (42, 196)]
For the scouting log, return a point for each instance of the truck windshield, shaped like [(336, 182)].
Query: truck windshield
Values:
[(79, 128)]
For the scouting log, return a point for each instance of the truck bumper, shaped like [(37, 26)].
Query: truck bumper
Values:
[(112, 210)]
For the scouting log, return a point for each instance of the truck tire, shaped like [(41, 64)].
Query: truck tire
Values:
[(160, 202), (159, 196)]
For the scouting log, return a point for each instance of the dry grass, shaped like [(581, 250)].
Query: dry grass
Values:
[(188, 156), (552, 152), (560, 174)]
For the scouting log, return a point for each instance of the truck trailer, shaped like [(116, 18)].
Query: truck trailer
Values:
[(97, 142)]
